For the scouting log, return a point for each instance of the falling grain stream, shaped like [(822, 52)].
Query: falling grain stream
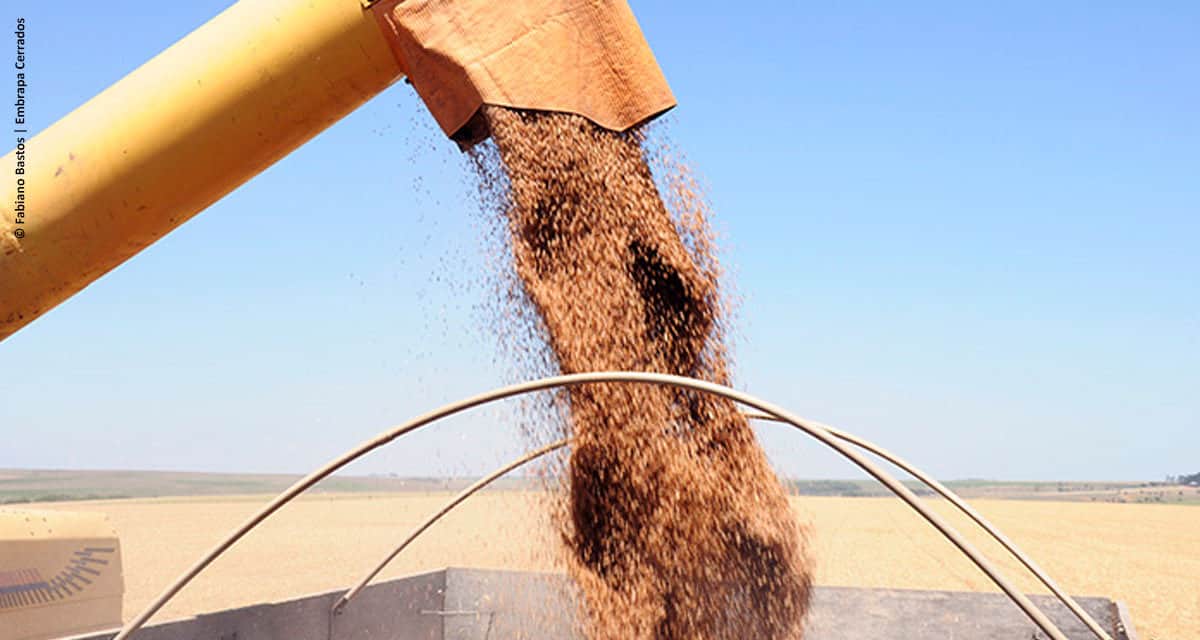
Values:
[(675, 524)]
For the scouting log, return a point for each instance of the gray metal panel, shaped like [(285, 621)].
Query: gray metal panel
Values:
[(300, 619), (393, 610), (401, 609), (471, 604), (895, 614), (505, 605), (1125, 622), (508, 604)]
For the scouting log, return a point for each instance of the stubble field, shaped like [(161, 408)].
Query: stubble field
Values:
[(1146, 555)]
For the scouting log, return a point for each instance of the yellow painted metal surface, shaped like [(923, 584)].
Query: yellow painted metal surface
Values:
[(176, 135), (60, 574)]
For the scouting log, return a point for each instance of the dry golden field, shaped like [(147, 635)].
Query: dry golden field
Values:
[(1146, 555)]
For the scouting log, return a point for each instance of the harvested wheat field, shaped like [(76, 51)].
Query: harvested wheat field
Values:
[(1145, 555)]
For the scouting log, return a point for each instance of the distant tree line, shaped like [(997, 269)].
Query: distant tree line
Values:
[(26, 498), (1191, 481)]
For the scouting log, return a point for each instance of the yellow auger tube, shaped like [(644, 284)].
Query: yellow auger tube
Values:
[(176, 135)]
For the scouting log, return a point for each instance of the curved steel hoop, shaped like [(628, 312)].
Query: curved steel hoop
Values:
[(858, 441), (967, 510), (818, 432), (446, 508)]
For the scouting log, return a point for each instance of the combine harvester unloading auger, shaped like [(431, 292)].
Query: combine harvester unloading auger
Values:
[(258, 81)]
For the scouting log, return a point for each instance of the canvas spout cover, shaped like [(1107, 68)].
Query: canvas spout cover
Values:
[(587, 57)]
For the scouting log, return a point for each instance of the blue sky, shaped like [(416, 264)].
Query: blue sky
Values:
[(968, 231)]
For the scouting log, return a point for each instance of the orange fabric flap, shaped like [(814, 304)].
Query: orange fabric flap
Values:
[(587, 57)]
